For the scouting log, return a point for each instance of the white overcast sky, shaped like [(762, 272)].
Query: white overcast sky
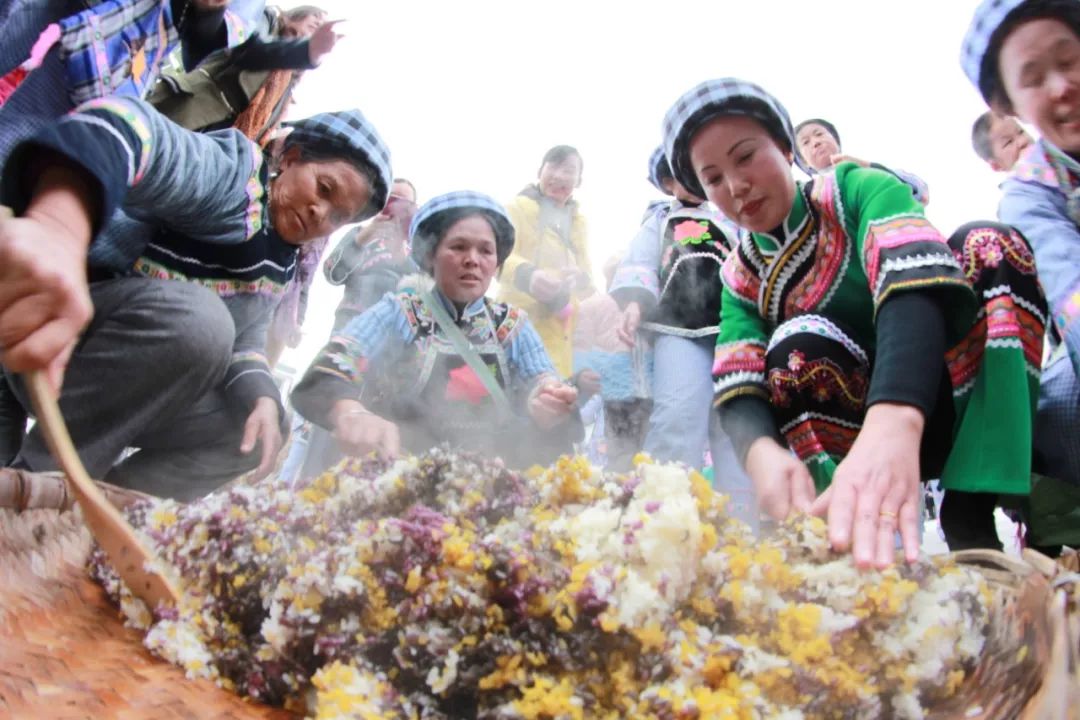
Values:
[(469, 94)]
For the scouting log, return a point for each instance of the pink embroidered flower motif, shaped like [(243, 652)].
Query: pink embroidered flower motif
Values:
[(990, 252), (692, 232), (796, 360), (465, 385)]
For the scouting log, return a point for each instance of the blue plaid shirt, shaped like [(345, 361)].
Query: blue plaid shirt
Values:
[(396, 334), (117, 47)]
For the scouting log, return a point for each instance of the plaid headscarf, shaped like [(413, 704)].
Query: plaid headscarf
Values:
[(348, 135), (984, 37), (657, 163), (988, 17), (717, 98), (424, 239)]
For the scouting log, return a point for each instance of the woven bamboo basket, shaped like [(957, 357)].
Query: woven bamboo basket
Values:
[(64, 652)]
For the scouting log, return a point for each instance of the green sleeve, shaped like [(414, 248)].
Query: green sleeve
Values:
[(899, 249), (739, 360)]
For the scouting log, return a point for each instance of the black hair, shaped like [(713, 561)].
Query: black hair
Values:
[(990, 83), (663, 171), (980, 136), (559, 154), (432, 230)]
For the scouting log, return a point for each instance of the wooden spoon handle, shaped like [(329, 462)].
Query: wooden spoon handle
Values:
[(132, 560)]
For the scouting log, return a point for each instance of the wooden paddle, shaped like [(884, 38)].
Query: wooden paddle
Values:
[(116, 537)]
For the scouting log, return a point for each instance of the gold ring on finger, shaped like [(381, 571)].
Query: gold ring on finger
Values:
[(886, 513)]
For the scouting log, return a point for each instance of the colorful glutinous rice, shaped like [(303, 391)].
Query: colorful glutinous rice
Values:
[(446, 586)]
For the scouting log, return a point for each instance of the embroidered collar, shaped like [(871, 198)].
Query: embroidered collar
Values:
[(1047, 165), (474, 308), (768, 243)]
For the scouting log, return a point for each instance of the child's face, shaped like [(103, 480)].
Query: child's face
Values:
[(1040, 71), (558, 180), (303, 28), (817, 146), (744, 172), (1007, 141)]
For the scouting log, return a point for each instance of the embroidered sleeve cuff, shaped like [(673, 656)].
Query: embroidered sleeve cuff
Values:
[(246, 381), (82, 147), (317, 392)]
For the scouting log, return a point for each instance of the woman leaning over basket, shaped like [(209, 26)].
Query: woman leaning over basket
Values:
[(445, 364), (189, 240), (850, 331)]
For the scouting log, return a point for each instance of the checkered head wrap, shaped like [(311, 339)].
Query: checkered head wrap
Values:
[(717, 98), (657, 163), (430, 222), (990, 25), (987, 19), (348, 135)]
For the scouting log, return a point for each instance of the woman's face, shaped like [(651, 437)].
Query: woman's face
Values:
[(558, 180), (311, 199), (744, 172), (465, 259), (816, 146), (1040, 71), (210, 4)]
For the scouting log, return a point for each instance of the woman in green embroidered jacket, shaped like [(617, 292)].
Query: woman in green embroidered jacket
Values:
[(444, 365), (851, 330)]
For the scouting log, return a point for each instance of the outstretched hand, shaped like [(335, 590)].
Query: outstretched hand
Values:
[(782, 484), (359, 431), (322, 41), (551, 403), (263, 427), (875, 490), (841, 157)]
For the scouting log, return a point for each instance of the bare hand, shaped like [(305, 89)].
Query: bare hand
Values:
[(545, 285), (875, 490), (263, 428), (44, 295), (359, 431), (551, 403), (631, 321), (589, 382), (841, 157), (782, 483), (322, 41)]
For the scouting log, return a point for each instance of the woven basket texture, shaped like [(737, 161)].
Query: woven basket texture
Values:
[(64, 651)]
